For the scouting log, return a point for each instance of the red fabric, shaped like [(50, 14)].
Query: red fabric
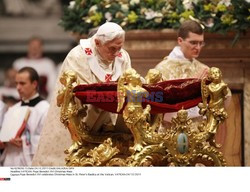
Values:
[(174, 95), (43, 81)]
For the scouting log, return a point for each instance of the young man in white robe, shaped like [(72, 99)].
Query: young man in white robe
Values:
[(96, 59), (20, 150), (181, 63)]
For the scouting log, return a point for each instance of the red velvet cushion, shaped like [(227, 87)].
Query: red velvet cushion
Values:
[(172, 95)]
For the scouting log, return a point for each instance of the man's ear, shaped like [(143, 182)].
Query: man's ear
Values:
[(35, 84), (97, 42), (179, 40)]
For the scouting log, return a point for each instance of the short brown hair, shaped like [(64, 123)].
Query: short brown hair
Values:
[(32, 73), (189, 26)]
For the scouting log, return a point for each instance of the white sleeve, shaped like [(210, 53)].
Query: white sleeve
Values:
[(43, 110), (2, 110)]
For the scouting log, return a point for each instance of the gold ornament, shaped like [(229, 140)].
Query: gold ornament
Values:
[(180, 145)]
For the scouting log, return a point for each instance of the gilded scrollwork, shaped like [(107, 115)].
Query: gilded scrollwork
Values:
[(71, 112), (72, 116), (213, 97), (136, 118), (186, 148), (180, 145), (100, 155)]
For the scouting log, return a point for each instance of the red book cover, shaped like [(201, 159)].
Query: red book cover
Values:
[(22, 128)]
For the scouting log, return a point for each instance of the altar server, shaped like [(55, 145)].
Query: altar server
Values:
[(20, 149)]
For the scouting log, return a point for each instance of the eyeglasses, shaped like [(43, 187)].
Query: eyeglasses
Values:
[(196, 43)]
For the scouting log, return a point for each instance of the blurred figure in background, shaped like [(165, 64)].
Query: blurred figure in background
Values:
[(8, 92), (20, 150), (32, 8), (44, 66)]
